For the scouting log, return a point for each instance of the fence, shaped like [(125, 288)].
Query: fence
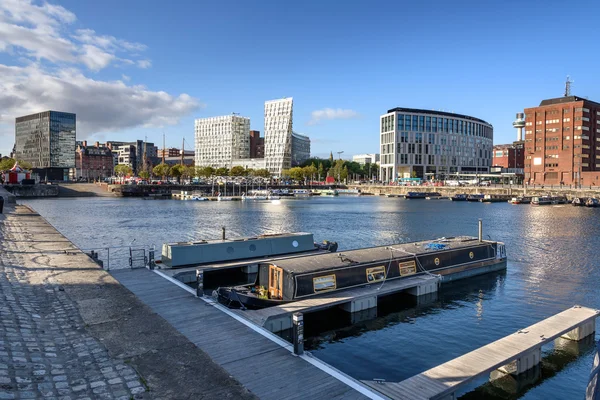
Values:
[(120, 257)]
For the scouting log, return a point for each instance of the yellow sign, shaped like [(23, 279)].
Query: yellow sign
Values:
[(407, 268)]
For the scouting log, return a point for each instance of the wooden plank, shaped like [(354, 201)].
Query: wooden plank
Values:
[(447, 377)]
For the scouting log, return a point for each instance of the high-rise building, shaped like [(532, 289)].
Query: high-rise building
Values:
[(257, 145), (560, 142), (47, 141), (134, 154), (278, 135), (220, 140), (423, 143), (300, 148)]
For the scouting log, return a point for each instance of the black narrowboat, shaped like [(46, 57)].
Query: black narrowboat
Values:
[(420, 195), (286, 280), (459, 197), (475, 197)]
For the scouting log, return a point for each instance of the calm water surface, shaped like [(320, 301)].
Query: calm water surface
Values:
[(552, 265)]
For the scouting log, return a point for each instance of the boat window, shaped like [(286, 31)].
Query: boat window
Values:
[(407, 268), (323, 283), (375, 274)]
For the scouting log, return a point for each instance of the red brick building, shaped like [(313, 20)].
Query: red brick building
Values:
[(93, 162), (257, 145), (509, 155), (562, 142)]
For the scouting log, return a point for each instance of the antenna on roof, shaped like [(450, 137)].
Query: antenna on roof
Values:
[(568, 86)]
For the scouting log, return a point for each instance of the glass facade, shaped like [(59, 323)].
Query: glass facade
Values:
[(47, 139), (423, 142)]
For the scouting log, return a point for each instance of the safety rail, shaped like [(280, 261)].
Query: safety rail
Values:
[(120, 257)]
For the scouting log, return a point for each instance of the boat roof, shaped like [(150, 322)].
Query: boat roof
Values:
[(240, 239), (373, 254)]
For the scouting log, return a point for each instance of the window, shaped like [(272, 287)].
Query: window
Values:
[(407, 268), (375, 274), (404, 137), (323, 283)]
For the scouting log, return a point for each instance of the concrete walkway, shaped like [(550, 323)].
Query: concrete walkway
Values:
[(68, 330)]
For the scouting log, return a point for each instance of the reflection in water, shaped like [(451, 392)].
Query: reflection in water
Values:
[(552, 264)]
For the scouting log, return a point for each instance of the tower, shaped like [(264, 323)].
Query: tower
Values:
[(519, 124)]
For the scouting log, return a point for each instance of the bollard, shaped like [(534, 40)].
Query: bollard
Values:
[(199, 284), (298, 333), (223, 229), (151, 259), (1, 204)]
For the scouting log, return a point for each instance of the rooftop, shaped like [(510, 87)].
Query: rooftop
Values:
[(566, 99), (433, 112)]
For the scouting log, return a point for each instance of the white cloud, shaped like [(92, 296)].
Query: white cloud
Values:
[(43, 32), (99, 105), (331, 113), (125, 78)]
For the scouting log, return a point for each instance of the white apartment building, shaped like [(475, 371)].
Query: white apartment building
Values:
[(220, 140), (278, 135), (424, 144), (363, 159)]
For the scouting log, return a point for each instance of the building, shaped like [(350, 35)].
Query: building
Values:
[(300, 149), (93, 162), (425, 143), (509, 155), (47, 141), (132, 154), (561, 137), (174, 152), (278, 135), (220, 140), (188, 161), (364, 159), (257, 145), (249, 163)]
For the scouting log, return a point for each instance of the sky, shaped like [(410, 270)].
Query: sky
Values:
[(139, 69)]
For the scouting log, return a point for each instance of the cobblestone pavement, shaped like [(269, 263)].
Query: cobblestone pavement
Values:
[(45, 350)]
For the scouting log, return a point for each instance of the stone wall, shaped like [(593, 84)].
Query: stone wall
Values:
[(33, 190)]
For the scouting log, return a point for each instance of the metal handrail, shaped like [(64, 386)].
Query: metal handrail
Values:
[(109, 248)]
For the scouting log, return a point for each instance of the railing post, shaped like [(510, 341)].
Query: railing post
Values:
[(298, 333), (108, 259)]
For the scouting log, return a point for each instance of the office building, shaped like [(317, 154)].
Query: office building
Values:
[(364, 159), (47, 141), (509, 156), (174, 152), (428, 144), (220, 140), (93, 162), (300, 149), (278, 135), (257, 145), (132, 154), (561, 137)]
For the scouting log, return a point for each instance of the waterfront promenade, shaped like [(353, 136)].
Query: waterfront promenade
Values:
[(68, 330)]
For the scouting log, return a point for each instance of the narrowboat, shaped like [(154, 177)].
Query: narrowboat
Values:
[(578, 201), (437, 198), (548, 200), (494, 198), (592, 202), (329, 192), (292, 279), (475, 197), (302, 193), (520, 200), (459, 197), (420, 195)]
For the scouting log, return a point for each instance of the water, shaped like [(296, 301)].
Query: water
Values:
[(552, 265)]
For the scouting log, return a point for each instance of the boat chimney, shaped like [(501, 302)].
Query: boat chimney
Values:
[(480, 230), (223, 229)]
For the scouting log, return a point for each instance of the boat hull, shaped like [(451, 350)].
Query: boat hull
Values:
[(242, 297)]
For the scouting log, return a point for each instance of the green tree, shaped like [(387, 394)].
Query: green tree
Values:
[(189, 172), (344, 174), (321, 170), (161, 170), (237, 171), (222, 171), (123, 170), (249, 172), (263, 173), (310, 171), (296, 173), (177, 171), (8, 163), (144, 174), (205, 172)]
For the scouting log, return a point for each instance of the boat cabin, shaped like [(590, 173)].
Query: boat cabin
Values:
[(300, 277)]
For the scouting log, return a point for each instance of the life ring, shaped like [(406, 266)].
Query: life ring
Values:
[(471, 255)]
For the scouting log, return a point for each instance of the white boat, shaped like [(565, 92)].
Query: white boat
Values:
[(302, 193), (223, 198), (329, 192), (199, 198), (273, 197), (260, 197)]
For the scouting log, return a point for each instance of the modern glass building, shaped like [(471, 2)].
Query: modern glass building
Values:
[(278, 134), (428, 144), (300, 148), (47, 141), (220, 140)]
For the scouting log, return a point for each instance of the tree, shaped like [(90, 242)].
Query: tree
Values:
[(296, 173), (222, 171), (123, 170), (249, 172), (205, 172), (161, 170), (321, 170), (177, 171), (8, 163), (144, 174), (309, 171), (189, 172), (344, 174), (263, 173), (237, 171)]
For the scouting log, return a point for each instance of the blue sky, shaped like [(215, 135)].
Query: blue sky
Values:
[(139, 68)]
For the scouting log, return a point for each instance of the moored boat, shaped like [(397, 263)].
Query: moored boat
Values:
[(592, 202), (548, 200), (291, 279), (459, 197), (475, 197), (578, 201), (302, 193), (420, 195), (437, 198), (520, 200), (329, 192)]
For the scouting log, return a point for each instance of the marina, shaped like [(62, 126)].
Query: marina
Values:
[(476, 305)]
